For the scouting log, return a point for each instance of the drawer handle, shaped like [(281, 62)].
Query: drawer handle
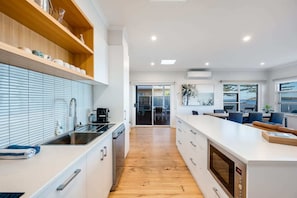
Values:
[(62, 186), (105, 149), (102, 155), (179, 142), (216, 191), (194, 145), (179, 130), (179, 122), (193, 162), (195, 133)]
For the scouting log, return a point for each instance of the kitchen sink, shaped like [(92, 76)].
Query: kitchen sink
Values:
[(74, 138)]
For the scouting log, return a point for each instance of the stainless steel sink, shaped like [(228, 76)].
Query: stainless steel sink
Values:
[(74, 138)]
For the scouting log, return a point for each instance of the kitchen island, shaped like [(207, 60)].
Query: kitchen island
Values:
[(41, 175), (271, 168)]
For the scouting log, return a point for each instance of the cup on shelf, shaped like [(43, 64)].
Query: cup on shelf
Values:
[(67, 65), (72, 67), (82, 71), (47, 57), (37, 53), (58, 61), (77, 69)]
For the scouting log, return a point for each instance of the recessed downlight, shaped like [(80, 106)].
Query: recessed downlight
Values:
[(206, 64), (262, 63), (168, 62), (246, 38), (153, 37), (152, 64)]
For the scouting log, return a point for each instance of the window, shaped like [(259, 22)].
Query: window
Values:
[(240, 97), (288, 97)]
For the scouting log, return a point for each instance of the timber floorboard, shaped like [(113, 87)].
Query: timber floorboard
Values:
[(154, 168)]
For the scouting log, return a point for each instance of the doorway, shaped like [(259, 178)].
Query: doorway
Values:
[(152, 105)]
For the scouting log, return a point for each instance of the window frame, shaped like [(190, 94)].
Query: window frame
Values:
[(280, 92), (238, 103)]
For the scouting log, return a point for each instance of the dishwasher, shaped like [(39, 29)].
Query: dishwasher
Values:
[(118, 153)]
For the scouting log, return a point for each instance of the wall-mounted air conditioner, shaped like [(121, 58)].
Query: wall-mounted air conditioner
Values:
[(198, 74)]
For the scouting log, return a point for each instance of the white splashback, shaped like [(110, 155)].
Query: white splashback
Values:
[(31, 103)]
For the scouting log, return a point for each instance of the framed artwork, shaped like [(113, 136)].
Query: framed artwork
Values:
[(197, 95)]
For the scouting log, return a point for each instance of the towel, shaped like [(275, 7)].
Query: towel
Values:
[(19, 152)]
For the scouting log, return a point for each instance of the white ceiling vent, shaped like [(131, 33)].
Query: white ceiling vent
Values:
[(198, 74)]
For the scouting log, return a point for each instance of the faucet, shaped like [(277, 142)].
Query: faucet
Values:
[(70, 112)]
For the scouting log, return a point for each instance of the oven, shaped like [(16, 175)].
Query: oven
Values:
[(227, 170), (118, 154)]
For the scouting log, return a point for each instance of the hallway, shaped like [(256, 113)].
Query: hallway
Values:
[(154, 167)]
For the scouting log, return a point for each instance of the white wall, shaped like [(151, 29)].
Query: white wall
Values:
[(179, 78), (100, 40)]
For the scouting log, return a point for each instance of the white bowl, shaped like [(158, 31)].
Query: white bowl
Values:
[(72, 67), (77, 69), (58, 61), (26, 49), (83, 71), (67, 65), (47, 57)]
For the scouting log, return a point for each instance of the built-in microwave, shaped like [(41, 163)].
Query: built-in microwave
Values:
[(227, 170)]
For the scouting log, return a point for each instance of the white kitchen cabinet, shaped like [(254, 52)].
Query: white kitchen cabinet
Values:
[(69, 184), (180, 137), (213, 189), (115, 96), (99, 169), (192, 145)]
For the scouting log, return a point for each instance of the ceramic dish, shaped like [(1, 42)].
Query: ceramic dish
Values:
[(58, 61)]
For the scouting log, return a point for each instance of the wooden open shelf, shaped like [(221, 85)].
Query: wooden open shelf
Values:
[(17, 57), (26, 24), (28, 13)]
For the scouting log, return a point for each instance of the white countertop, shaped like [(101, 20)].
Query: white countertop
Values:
[(32, 175), (244, 142)]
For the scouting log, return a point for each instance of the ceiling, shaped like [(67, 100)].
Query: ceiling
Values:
[(198, 31)]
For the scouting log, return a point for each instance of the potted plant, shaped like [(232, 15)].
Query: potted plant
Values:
[(267, 108)]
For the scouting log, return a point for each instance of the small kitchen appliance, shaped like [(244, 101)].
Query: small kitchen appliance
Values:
[(102, 115)]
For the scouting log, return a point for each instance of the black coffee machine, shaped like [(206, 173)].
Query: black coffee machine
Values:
[(102, 115)]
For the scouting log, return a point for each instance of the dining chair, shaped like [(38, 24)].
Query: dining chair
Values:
[(254, 116), (159, 114), (195, 112), (235, 117), (249, 109), (276, 117), (219, 111), (228, 108)]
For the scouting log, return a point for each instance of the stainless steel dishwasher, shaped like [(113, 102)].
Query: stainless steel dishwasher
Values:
[(118, 153)]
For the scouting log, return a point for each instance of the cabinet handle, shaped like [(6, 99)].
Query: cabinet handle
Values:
[(102, 155), (179, 142), (193, 162), (216, 191), (62, 186), (195, 133), (179, 130), (194, 145), (179, 122), (105, 149)]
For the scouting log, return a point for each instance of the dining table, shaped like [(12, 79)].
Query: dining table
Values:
[(226, 115)]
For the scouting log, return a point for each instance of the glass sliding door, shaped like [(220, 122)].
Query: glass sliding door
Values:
[(152, 105), (161, 105), (143, 105)]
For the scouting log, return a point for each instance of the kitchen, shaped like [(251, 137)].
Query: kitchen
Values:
[(31, 116)]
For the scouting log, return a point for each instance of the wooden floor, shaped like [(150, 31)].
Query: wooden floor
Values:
[(154, 168)]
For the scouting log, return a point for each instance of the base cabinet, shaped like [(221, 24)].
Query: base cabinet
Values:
[(70, 184), (192, 145), (99, 169), (213, 189)]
